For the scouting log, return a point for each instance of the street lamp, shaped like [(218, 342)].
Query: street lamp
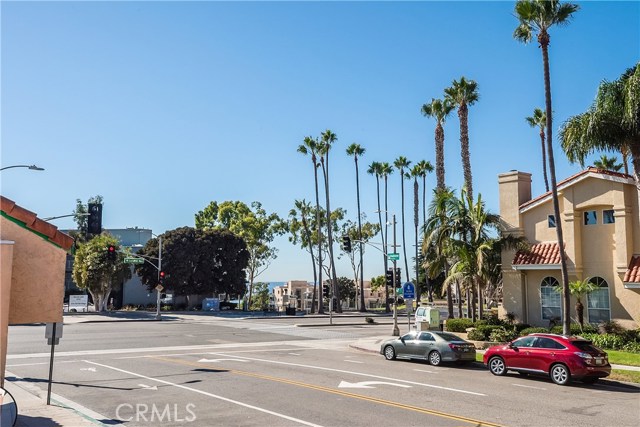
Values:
[(32, 167)]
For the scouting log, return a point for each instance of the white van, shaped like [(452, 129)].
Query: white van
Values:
[(427, 318)]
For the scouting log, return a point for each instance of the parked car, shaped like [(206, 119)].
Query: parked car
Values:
[(434, 346), (561, 357)]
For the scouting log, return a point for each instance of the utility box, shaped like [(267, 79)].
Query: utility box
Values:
[(432, 315), (422, 326)]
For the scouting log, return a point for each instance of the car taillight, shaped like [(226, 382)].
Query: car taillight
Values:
[(588, 359), (454, 347)]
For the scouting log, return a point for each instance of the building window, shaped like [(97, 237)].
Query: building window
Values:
[(550, 299), (598, 301), (607, 217), (590, 218), (551, 219)]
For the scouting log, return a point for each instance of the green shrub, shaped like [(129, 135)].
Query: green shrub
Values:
[(534, 330), (632, 347), (606, 341), (521, 326), (611, 327), (476, 335), (479, 323), (575, 329), (488, 329), (502, 335), (458, 325), (492, 319)]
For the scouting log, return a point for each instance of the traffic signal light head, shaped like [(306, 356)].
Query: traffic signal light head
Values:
[(111, 253), (161, 277), (389, 277), (346, 244), (94, 222), (398, 278), (325, 291)]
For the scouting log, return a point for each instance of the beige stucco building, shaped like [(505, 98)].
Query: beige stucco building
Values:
[(32, 258), (299, 293), (601, 231)]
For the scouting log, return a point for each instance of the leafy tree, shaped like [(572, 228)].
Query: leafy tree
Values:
[(197, 261), (253, 224), (608, 163), (439, 110), (260, 299), (401, 163), (347, 290), (356, 151), (301, 231), (538, 16), (579, 289), (377, 283), (462, 94), (539, 120), (96, 273)]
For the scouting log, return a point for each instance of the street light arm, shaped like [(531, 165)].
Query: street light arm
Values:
[(32, 167), (65, 216)]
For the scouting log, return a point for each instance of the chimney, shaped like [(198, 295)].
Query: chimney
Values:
[(515, 189)]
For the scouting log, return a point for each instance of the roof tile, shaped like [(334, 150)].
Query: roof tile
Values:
[(632, 274), (541, 253)]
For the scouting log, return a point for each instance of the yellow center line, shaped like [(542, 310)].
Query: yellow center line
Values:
[(341, 393)]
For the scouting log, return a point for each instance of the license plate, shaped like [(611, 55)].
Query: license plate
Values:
[(599, 361)]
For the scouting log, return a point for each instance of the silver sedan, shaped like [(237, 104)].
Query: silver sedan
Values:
[(433, 346)]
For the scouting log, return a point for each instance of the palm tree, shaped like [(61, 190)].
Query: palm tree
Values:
[(375, 168), (439, 110), (612, 123), (424, 168), (579, 289), (401, 163), (538, 16), (356, 150), (311, 146), (328, 138), (303, 208), (539, 120), (385, 171), (462, 94), (415, 173), (608, 163)]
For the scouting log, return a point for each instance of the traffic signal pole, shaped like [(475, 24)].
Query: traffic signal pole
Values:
[(158, 316), (396, 330)]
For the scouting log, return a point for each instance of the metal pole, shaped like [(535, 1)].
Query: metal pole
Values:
[(53, 346), (158, 316), (396, 330)]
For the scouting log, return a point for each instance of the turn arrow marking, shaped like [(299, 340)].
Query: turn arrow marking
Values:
[(220, 360), (368, 384), (147, 387)]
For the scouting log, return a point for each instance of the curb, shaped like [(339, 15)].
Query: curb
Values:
[(324, 325)]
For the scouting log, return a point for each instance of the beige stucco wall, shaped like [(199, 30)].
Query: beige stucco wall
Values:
[(6, 262)]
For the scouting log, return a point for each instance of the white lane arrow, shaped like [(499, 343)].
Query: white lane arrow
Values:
[(368, 384), (148, 387), (220, 360), (88, 369)]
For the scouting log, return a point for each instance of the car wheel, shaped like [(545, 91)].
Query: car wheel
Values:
[(434, 358), (560, 374), (590, 380), (497, 366), (389, 353)]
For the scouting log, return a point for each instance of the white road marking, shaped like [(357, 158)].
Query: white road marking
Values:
[(294, 354), (277, 362), (221, 360), (148, 387), (208, 352), (368, 384), (184, 387), (528, 386), (88, 369), (42, 363), (353, 361), (428, 372)]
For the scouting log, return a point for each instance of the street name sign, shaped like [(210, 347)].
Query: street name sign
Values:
[(394, 256), (132, 260)]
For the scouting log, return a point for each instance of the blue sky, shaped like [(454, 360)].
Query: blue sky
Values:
[(162, 107)]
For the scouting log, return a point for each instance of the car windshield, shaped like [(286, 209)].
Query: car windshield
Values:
[(586, 346), (449, 337)]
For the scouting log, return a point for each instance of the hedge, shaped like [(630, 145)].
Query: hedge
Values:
[(458, 325)]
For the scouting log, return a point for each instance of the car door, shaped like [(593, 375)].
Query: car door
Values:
[(424, 344), (543, 353), (517, 355), (407, 345)]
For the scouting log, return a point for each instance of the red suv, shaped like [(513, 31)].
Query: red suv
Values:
[(559, 356)]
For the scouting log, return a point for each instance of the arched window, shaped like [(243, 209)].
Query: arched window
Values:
[(550, 299), (598, 301)]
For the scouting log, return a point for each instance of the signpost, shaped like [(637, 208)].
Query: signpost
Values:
[(408, 293), (53, 333), (393, 256), (133, 260)]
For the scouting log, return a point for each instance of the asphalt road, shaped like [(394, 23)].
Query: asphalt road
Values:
[(231, 372)]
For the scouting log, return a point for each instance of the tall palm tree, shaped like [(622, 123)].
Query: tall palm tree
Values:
[(386, 169), (612, 123), (401, 163), (538, 16), (310, 146), (327, 140), (375, 168), (539, 120), (304, 210), (608, 163), (462, 94), (439, 110), (424, 167), (356, 151), (579, 289)]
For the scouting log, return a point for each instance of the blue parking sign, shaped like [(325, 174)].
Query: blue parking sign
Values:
[(408, 291)]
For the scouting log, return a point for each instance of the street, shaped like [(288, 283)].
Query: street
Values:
[(205, 371)]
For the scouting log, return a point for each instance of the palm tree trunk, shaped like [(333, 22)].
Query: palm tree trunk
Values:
[(362, 307), (416, 220), (319, 225), (305, 225), (480, 301), (463, 113), (459, 293), (336, 291), (384, 256), (544, 161), (387, 309), (543, 38), (635, 161), (404, 240), (580, 313), (449, 290), (424, 221), (440, 156)]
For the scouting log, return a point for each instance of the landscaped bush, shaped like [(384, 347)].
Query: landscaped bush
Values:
[(502, 335), (521, 326), (632, 347), (476, 335), (492, 318), (610, 327), (458, 325), (606, 341), (534, 330), (575, 329), (488, 329)]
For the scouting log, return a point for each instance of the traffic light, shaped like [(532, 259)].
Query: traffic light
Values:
[(346, 244), (398, 278), (325, 291), (389, 277), (94, 222), (161, 277), (111, 253)]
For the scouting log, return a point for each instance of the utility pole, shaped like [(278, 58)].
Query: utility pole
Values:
[(158, 316), (396, 330)]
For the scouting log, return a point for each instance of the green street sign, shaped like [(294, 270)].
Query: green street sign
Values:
[(134, 260), (394, 256)]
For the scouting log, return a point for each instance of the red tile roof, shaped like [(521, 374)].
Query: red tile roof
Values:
[(633, 272), (538, 254), (573, 177), (33, 223)]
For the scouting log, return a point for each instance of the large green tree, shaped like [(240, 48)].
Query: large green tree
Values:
[(419, 170), (463, 93), (439, 110), (357, 151), (253, 224), (539, 120), (197, 261), (95, 271), (608, 163), (538, 16)]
